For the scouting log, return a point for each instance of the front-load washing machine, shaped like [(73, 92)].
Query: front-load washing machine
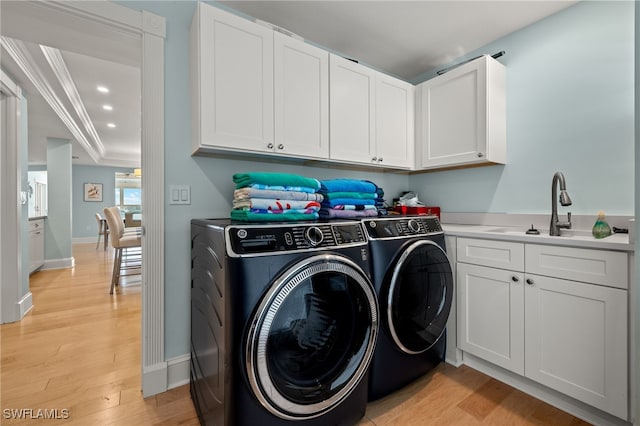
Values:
[(284, 322), (414, 284)]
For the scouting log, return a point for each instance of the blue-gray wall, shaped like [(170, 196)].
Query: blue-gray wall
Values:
[(636, 303), (57, 238), (570, 81), (23, 146), (580, 84), (84, 212)]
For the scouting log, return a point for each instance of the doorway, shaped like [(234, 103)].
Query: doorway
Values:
[(106, 28)]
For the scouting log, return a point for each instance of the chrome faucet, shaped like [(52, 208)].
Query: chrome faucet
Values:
[(565, 200)]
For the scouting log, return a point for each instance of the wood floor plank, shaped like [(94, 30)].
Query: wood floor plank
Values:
[(79, 349)]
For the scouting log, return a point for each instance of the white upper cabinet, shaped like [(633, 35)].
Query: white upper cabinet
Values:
[(352, 111), (301, 98), (395, 122), (371, 115), (231, 82), (461, 116)]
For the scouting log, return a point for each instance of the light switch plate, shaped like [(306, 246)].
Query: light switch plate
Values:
[(179, 194)]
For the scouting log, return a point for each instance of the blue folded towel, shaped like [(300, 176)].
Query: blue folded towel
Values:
[(346, 185)]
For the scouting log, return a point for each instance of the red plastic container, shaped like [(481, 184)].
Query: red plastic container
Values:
[(419, 210)]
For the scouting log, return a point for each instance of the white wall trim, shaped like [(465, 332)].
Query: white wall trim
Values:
[(10, 208), (87, 240), (25, 304), (152, 160), (64, 263), (178, 371)]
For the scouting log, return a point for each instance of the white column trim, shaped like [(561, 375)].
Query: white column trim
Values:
[(152, 160)]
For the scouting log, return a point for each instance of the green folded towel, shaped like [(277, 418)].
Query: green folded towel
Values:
[(274, 179), (349, 194), (248, 216)]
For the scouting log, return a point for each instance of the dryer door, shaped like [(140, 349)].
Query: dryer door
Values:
[(312, 337), (419, 296)]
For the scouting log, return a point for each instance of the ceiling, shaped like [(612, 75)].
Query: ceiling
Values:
[(401, 38)]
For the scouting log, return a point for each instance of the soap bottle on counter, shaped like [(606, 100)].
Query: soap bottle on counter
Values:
[(601, 228)]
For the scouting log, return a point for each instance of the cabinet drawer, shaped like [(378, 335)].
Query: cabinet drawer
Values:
[(592, 266), (496, 254), (36, 225)]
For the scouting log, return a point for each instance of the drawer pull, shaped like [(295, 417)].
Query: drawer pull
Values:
[(270, 146), (515, 279), (529, 281)]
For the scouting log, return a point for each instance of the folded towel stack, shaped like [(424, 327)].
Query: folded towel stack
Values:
[(266, 197), (348, 198), (380, 205)]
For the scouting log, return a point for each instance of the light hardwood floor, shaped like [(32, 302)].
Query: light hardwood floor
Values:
[(79, 350)]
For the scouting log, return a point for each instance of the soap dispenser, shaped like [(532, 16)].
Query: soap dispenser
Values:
[(601, 228)]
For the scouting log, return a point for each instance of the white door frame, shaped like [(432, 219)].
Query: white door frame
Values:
[(58, 23), (10, 208)]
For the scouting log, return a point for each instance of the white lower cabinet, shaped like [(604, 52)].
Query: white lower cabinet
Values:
[(576, 340), (490, 315), (36, 244), (566, 334)]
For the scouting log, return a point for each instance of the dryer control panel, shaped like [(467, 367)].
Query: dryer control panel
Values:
[(402, 227), (245, 240)]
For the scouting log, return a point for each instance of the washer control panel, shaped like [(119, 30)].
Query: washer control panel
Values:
[(283, 238), (380, 228)]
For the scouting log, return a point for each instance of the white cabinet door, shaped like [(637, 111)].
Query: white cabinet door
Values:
[(36, 244), (462, 116), (491, 315), (301, 98), (395, 128), (231, 81), (576, 340), (351, 111)]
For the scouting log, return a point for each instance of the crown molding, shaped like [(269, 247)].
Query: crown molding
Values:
[(28, 65), (60, 70)]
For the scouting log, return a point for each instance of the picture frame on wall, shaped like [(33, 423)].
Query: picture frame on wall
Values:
[(93, 192)]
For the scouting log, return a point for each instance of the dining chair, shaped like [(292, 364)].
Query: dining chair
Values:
[(122, 242), (103, 230)]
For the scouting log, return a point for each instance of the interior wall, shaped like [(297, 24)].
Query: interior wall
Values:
[(635, 302), (57, 239), (570, 82), (84, 212), (23, 146)]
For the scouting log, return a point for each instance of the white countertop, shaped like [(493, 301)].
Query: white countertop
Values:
[(569, 237)]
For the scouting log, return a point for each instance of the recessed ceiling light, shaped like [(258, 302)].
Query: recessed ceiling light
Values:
[(107, 107), (111, 125), (102, 89)]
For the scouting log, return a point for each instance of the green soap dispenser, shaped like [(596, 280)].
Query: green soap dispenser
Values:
[(601, 228)]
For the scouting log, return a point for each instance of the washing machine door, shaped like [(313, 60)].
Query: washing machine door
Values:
[(419, 296), (312, 337)]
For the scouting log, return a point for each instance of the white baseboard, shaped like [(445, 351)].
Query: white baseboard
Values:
[(543, 393), (166, 375), (25, 304), (178, 371), (86, 240), (69, 262), (154, 379)]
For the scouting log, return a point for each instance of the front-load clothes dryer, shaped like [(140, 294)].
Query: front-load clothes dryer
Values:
[(414, 284), (284, 321)]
